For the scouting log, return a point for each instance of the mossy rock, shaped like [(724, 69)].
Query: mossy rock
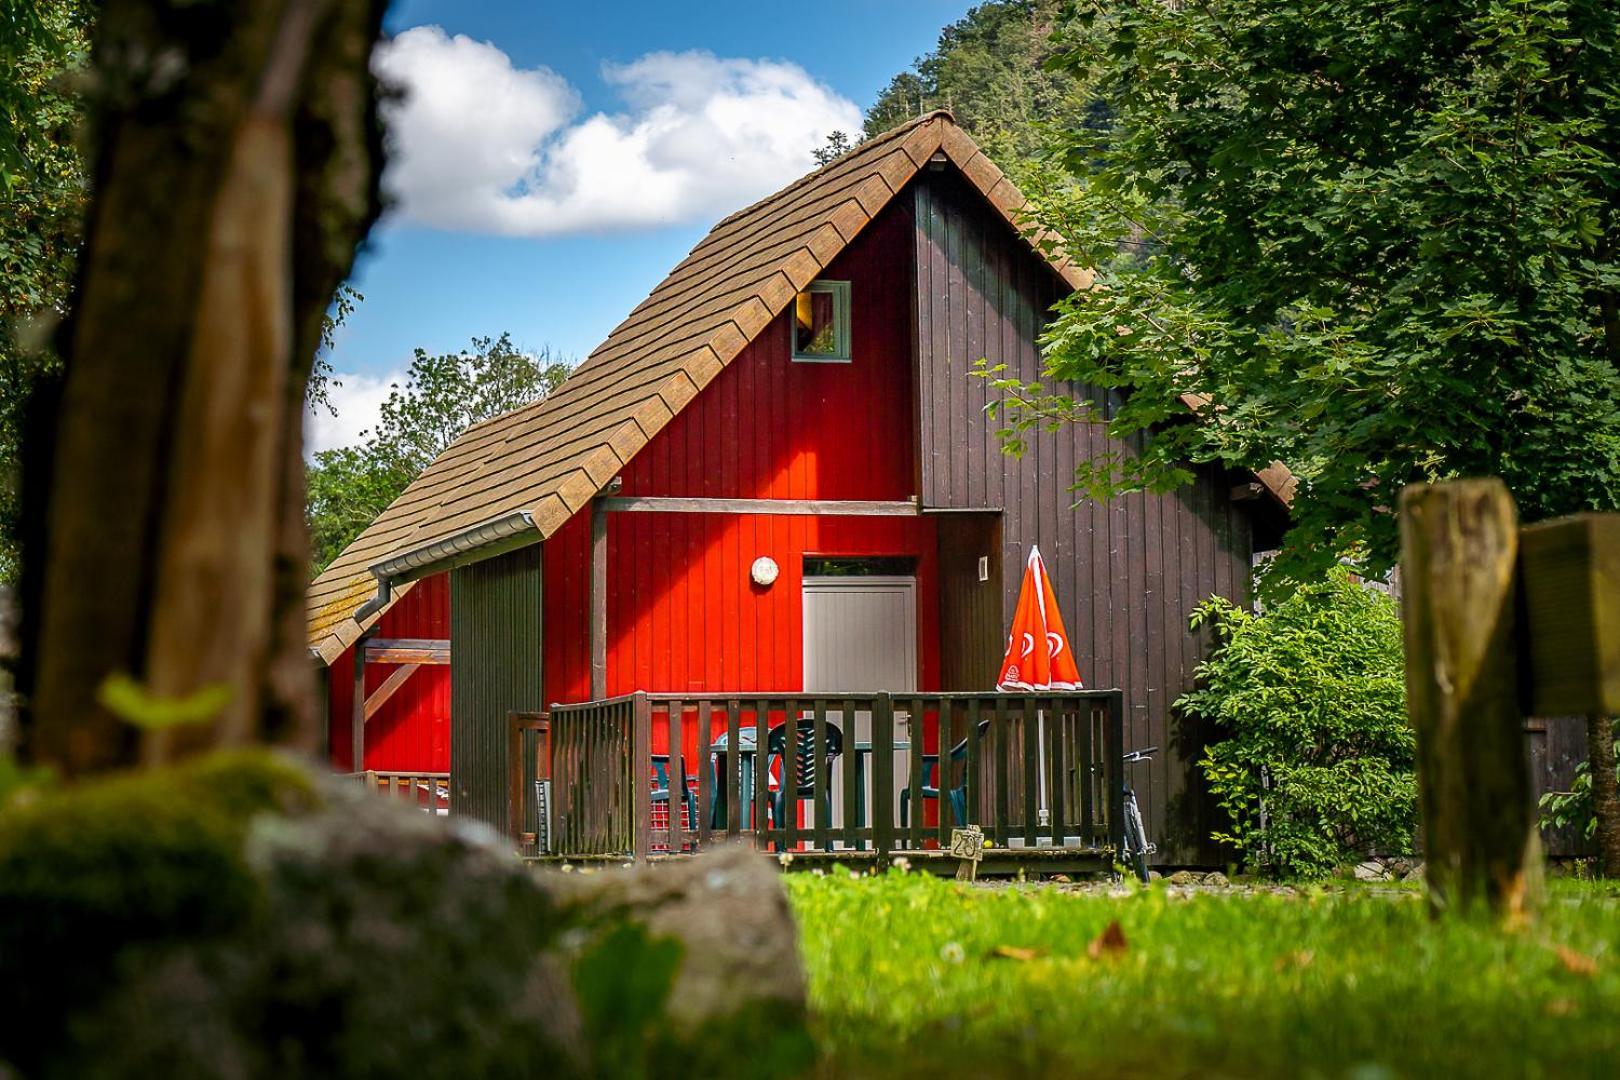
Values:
[(692, 960), (96, 876), (242, 916)]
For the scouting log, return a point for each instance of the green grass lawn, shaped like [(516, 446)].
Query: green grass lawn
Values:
[(905, 978)]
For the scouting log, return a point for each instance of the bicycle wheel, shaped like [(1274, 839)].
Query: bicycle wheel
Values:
[(1135, 838)]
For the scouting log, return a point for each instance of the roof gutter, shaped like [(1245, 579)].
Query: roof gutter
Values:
[(473, 544)]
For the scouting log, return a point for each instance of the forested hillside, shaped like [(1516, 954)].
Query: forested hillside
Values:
[(987, 70)]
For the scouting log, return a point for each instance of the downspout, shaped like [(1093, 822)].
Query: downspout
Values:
[(474, 543), (385, 592)]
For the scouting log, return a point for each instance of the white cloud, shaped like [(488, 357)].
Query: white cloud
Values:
[(356, 400), (481, 145)]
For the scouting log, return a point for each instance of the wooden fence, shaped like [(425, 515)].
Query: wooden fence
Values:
[(852, 772), (1501, 623), (428, 790)]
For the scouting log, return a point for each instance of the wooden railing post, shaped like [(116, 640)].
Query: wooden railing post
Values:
[(677, 777), (1459, 550), (882, 812), (762, 773), (357, 711), (640, 771), (705, 772)]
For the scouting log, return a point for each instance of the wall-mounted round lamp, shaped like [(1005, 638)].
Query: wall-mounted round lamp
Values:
[(764, 571)]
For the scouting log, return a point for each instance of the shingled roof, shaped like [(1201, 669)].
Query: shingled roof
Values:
[(548, 459)]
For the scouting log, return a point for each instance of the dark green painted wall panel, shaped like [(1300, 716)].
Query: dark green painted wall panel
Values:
[(495, 635)]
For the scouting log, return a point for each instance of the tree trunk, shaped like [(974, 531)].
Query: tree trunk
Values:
[(1459, 546), (1605, 798), (236, 159)]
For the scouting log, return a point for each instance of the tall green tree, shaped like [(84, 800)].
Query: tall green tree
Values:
[(441, 397), (45, 52), (987, 69), (44, 47), (1375, 242)]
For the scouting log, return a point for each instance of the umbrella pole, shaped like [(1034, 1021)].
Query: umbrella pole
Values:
[(1044, 814)]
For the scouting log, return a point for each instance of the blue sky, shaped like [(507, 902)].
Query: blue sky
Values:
[(558, 247)]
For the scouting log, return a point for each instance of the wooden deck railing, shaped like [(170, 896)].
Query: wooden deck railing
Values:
[(1033, 770), (428, 790)]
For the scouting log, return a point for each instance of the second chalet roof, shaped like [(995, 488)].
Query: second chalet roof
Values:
[(550, 458)]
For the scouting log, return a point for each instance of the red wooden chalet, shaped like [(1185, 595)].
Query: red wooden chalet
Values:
[(773, 493)]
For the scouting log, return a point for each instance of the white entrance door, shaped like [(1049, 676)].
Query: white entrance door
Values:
[(860, 634)]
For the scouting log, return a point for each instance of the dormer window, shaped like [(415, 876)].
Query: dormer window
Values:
[(821, 323)]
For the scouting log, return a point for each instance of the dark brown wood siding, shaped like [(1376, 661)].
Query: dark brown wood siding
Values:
[(1557, 746), (972, 639), (1127, 572), (495, 625)]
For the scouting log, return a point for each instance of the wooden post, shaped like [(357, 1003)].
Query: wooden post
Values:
[(640, 771), (1459, 549), (1570, 580), (598, 603), (357, 719), (883, 776), (1114, 768)]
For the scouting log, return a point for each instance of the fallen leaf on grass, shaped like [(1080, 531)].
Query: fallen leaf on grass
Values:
[(1559, 1007), (1300, 959), (1111, 942), (1015, 952), (1576, 963)]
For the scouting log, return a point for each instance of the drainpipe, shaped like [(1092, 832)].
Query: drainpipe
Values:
[(472, 544), (385, 591)]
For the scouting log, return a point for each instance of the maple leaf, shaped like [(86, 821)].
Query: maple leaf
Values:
[(1111, 942), (1576, 963)]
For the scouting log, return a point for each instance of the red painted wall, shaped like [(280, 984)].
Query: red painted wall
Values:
[(683, 614), (412, 730)]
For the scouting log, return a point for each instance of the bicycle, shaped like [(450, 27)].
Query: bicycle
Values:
[(1136, 848)]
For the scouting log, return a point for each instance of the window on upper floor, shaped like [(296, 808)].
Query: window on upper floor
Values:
[(821, 323)]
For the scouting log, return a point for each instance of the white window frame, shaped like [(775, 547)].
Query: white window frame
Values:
[(839, 290)]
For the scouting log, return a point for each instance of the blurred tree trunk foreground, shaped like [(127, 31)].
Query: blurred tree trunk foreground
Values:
[(236, 155)]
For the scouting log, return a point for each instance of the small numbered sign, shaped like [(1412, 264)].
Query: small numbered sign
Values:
[(968, 843)]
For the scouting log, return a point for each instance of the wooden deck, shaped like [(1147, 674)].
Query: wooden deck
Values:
[(997, 862), (1040, 773)]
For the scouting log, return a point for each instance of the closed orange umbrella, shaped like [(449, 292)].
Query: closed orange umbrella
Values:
[(1039, 656)]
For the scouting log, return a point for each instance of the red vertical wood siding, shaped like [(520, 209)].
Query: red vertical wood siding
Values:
[(683, 614), (412, 730)]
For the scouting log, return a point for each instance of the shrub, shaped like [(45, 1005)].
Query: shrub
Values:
[(1316, 766)]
